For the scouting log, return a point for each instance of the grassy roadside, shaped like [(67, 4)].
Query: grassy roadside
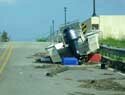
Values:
[(113, 42)]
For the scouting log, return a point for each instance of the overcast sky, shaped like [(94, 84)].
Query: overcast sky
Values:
[(27, 20)]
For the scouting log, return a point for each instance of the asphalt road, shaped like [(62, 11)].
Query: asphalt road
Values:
[(19, 76)]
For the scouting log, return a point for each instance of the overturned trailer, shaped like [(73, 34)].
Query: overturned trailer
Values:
[(74, 42)]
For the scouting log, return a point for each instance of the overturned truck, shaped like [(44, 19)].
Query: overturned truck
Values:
[(74, 42)]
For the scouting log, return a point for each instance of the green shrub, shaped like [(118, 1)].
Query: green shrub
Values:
[(41, 40)]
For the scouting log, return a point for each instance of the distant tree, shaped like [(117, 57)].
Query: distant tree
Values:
[(4, 36)]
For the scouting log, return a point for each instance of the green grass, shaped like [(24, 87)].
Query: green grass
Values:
[(113, 42)]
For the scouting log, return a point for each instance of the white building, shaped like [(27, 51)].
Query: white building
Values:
[(112, 26)]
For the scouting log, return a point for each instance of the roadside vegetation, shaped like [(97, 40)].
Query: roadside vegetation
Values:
[(113, 42), (41, 40)]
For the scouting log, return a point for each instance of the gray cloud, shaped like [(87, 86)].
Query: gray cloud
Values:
[(8, 1)]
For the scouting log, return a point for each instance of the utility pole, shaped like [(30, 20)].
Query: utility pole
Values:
[(57, 36), (51, 34), (94, 8), (65, 13), (53, 25)]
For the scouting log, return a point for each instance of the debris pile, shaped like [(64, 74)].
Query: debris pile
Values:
[(104, 84), (42, 57), (56, 70), (80, 93)]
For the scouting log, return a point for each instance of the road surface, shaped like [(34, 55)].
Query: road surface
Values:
[(18, 76)]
